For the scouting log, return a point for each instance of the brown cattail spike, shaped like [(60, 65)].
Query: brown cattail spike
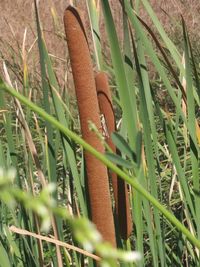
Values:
[(119, 187), (97, 178)]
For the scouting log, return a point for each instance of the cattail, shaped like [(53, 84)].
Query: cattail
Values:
[(122, 205), (97, 177)]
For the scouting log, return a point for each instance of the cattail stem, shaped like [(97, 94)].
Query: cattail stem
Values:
[(97, 178), (122, 204)]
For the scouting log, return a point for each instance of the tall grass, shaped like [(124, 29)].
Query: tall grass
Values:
[(158, 145)]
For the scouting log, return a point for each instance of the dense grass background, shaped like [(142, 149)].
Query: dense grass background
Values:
[(155, 88)]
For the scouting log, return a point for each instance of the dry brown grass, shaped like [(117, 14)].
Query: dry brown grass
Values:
[(169, 13), (18, 15)]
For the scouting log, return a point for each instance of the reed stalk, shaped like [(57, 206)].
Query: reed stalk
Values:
[(97, 177), (122, 205)]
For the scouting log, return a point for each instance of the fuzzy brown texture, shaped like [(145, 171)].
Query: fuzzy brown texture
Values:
[(97, 178), (122, 204)]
